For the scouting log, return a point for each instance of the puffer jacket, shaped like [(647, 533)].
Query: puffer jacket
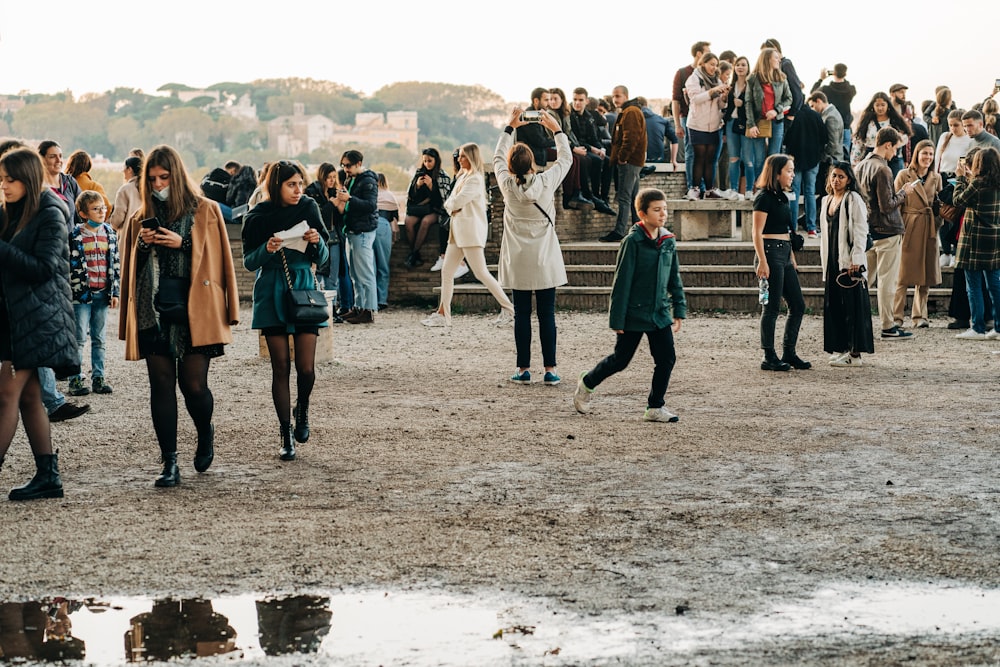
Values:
[(361, 212), (34, 268)]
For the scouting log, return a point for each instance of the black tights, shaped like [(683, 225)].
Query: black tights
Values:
[(191, 374), (704, 156), (305, 371)]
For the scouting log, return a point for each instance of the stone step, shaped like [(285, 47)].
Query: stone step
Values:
[(476, 298)]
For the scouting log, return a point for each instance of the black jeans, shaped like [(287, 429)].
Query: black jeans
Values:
[(783, 282), (545, 299), (661, 346)]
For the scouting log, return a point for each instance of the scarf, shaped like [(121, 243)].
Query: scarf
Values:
[(265, 219), (706, 80)]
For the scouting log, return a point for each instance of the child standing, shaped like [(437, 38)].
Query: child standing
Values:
[(95, 278), (647, 297)]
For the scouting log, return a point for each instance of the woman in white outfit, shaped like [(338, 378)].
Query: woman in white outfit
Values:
[(467, 238), (531, 262)]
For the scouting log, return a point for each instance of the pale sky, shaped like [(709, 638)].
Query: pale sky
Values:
[(508, 47)]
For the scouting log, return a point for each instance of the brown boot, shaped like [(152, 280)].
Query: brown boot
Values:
[(363, 317)]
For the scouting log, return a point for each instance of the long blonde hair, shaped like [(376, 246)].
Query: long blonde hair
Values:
[(472, 154), (763, 70)]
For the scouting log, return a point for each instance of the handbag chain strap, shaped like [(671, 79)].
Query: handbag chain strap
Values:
[(288, 275)]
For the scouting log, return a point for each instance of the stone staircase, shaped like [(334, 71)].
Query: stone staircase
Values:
[(718, 275)]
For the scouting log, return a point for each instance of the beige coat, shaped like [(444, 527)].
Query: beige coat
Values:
[(127, 202), (920, 261), (530, 256), (467, 207), (213, 300), (852, 232)]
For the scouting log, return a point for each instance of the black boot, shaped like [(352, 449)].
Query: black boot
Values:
[(771, 362), (792, 359), (205, 454), (287, 451), (45, 484), (171, 475), (301, 414)]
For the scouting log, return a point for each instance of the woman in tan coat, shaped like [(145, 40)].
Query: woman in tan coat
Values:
[(178, 301), (919, 264)]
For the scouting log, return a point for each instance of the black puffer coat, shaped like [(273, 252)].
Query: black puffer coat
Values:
[(34, 268)]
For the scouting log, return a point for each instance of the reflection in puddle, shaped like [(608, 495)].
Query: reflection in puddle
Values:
[(419, 628)]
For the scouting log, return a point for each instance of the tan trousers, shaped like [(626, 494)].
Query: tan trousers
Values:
[(475, 257), (919, 309), (883, 264)]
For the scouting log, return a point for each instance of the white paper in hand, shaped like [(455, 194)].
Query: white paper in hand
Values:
[(292, 238)]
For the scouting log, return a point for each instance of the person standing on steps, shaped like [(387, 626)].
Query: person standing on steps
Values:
[(628, 154), (772, 222)]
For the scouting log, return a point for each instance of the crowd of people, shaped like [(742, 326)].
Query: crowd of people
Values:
[(893, 196)]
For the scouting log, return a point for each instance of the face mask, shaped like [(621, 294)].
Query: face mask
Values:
[(162, 194), (93, 224)]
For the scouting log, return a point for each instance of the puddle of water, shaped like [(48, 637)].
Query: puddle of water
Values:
[(427, 628)]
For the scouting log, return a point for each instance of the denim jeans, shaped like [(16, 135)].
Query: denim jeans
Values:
[(661, 346), (739, 151), (91, 318), (847, 140), (628, 188), (688, 154), (783, 281), (974, 288), (383, 249), (804, 184), (545, 299), (52, 398), (757, 150), (361, 266), (777, 138)]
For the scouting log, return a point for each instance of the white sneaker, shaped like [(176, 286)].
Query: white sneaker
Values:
[(971, 334), (951, 263), (659, 415), (694, 194), (582, 395), (730, 194), (846, 361), (462, 269), (505, 317), (837, 356), (993, 334), (435, 319), (945, 260), (438, 264)]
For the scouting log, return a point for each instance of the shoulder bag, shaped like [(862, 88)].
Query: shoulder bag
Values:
[(304, 306)]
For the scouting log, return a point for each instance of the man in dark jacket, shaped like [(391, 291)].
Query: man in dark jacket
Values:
[(358, 201), (628, 154), (596, 159), (886, 224), (840, 93), (534, 134), (805, 141)]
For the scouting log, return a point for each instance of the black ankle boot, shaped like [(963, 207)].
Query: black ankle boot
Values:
[(287, 451), (771, 362), (45, 484), (171, 475), (205, 454), (792, 359), (301, 414)]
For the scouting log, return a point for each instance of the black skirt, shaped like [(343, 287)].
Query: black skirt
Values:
[(847, 311)]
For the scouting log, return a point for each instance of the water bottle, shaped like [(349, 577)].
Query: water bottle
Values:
[(764, 294)]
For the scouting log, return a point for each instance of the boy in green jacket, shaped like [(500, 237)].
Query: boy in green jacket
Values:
[(647, 297)]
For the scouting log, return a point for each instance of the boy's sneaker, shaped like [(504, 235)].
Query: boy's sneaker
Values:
[(660, 414), (77, 388), (968, 334), (100, 386), (523, 377), (895, 333), (551, 379), (581, 398)]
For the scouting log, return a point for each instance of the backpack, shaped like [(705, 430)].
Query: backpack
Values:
[(216, 184)]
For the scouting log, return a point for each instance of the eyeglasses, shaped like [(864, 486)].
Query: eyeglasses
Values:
[(345, 166), (98, 209)]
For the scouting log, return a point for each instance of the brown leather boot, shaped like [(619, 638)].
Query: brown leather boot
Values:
[(363, 317)]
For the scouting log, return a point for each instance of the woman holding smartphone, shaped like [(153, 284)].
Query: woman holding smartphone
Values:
[(178, 302)]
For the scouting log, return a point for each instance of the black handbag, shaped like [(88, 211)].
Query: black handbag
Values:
[(171, 300), (305, 307)]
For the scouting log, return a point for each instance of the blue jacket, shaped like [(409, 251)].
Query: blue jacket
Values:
[(647, 292), (361, 212)]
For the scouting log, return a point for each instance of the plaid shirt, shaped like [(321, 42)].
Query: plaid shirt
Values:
[(979, 240)]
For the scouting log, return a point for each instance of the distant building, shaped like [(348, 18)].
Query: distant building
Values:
[(242, 108), (10, 103), (301, 133)]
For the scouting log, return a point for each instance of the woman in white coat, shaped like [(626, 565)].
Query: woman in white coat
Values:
[(847, 318), (531, 262), (467, 238)]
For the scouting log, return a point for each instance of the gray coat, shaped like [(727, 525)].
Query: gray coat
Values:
[(34, 268), (530, 256)]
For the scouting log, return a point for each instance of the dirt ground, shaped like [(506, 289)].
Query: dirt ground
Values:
[(428, 471)]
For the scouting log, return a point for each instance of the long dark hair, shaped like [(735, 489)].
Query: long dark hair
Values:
[(768, 179), (868, 116), (433, 152), (24, 165), (278, 173), (986, 166), (852, 180)]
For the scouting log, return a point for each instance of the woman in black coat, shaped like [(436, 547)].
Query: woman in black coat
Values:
[(37, 327)]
